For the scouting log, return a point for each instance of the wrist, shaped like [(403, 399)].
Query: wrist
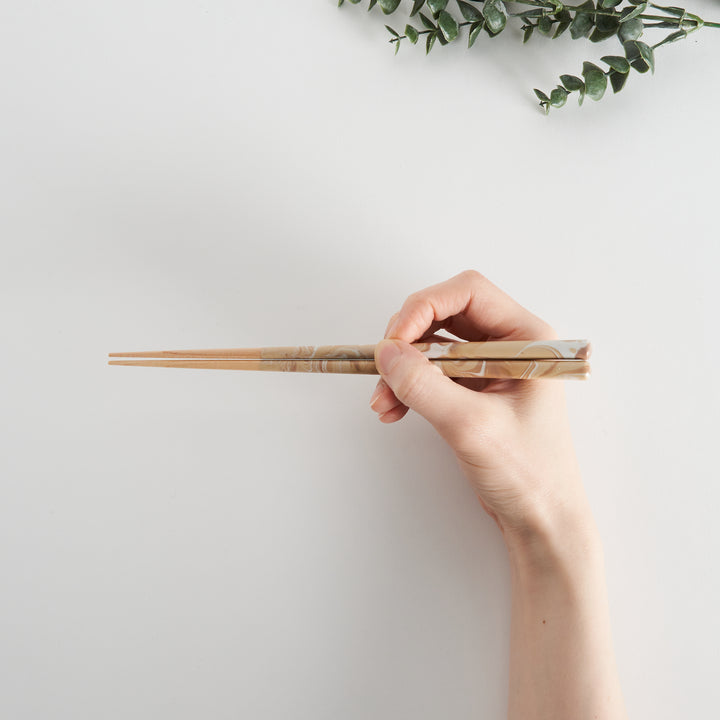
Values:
[(565, 537)]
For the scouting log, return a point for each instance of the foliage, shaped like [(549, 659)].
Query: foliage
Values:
[(595, 20)]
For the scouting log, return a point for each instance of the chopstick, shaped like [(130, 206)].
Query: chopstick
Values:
[(518, 359)]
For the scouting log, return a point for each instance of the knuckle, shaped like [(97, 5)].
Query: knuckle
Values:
[(474, 277)]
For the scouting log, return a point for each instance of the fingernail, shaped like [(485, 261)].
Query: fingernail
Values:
[(376, 395), (387, 355)]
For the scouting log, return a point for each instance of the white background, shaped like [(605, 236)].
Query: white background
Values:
[(188, 544)]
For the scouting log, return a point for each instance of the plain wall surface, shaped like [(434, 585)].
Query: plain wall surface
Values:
[(186, 544)]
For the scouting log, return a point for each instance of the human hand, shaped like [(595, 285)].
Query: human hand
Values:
[(511, 437)]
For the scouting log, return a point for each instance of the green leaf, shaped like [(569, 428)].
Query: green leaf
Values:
[(558, 97), (545, 25), (495, 18), (572, 83), (371, 5), (427, 22), (617, 63), (411, 33), (640, 55), (392, 32), (541, 95), (388, 6), (340, 2), (469, 12), (595, 81), (475, 29), (436, 6), (598, 35), (561, 28), (582, 22), (630, 13), (672, 37), (630, 30), (441, 38), (618, 80), (528, 33), (609, 4), (607, 22), (448, 25), (430, 42), (416, 6), (670, 9)]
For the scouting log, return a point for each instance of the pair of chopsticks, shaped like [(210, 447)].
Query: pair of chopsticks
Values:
[(500, 359)]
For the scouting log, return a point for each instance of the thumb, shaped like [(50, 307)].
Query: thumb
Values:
[(422, 386)]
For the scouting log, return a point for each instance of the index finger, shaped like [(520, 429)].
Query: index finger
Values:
[(471, 307)]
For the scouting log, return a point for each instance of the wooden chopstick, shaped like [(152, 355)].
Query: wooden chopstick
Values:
[(495, 369), (499, 349)]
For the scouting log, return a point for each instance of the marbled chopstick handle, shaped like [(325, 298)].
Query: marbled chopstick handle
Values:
[(490, 350), (491, 369)]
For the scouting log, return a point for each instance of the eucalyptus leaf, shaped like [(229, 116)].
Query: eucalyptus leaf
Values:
[(630, 13), (527, 34), (469, 12), (448, 25), (609, 4), (617, 63), (427, 22), (572, 83), (545, 25), (672, 37), (475, 29), (670, 10), (541, 95), (495, 18), (618, 80), (630, 30), (416, 7), (441, 38), (640, 55), (581, 25), (411, 33), (558, 97), (430, 42), (595, 81), (436, 6), (395, 33), (598, 35), (372, 5), (561, 28), (607, 23)]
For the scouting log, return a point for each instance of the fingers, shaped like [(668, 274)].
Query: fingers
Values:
[(470, 306), (383, 398), (418, 384)]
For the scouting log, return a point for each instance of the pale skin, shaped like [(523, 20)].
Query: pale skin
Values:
[(513, 443)]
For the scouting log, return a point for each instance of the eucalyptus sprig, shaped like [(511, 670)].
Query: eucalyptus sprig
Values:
[(595, 20)]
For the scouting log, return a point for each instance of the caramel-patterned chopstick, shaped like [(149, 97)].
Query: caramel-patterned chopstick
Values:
[(493, 349), (522, 360)]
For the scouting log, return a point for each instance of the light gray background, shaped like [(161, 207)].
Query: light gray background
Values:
[(209, 174)]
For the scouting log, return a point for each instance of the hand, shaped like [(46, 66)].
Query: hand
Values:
[(511, 436)]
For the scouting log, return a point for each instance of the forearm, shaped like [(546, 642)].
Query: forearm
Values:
[(562, 664)]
